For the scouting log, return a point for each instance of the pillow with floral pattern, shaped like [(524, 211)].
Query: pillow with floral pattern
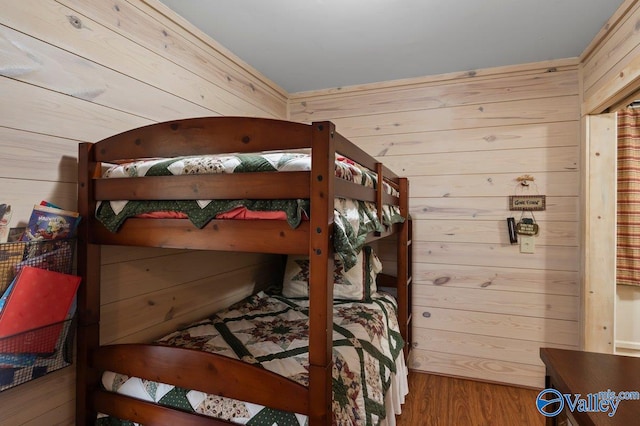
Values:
[(357, 283)]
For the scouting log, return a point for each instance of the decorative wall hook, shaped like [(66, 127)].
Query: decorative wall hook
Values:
[(531, 199), (525, 179)]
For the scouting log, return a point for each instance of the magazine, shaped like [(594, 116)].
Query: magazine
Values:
[(15, 234), (54, 256), (50, 223), (10, 255), (5, 218)]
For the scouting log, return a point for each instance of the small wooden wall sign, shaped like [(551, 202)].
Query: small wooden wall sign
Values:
[(528, 202)]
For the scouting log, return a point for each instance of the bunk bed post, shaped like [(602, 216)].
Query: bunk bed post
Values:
[(404, 267), (321, 273), (379, 192), (88, 267)]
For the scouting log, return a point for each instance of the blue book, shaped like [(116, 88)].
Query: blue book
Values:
[(5, 295), (17, 360), (49, 223)]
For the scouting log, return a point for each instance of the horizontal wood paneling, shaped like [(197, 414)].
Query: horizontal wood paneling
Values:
[(613, 53), (23, 194), (38, 63), (128, 279), (478, 368), (534, 160), (538, 305), (153, 314), (491, 231), (563, 209), (497, 325), (50, 394), (547, 110), (494, 184), (116, 254), (559, 65), (37, 157), (70, 73), (477, 91), (557, 258), (58, 115), (611, 65), (463, 141), (541, 281), (564, 133), (503, 279), (122, 54), (142, 23), (64, 414), (547, 282), (486, 347)]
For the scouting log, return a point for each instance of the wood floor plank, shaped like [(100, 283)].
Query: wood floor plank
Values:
[(443, 401)]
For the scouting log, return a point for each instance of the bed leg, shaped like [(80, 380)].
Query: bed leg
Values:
[(320, 410), (86, 377)]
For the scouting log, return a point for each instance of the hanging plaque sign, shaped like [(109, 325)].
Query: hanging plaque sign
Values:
[(527, 202)]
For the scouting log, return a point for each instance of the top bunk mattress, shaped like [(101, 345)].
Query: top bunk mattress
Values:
[(354, 219)]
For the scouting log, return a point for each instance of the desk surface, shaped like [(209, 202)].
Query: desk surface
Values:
[(578, 372)]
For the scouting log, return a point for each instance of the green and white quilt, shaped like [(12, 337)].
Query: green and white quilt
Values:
[(354, 219), (273, 332)]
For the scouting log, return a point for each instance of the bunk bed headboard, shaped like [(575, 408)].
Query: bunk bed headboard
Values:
[(204, 135)]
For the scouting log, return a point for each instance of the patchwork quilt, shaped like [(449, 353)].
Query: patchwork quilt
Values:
[(272, 331), (354, 219)]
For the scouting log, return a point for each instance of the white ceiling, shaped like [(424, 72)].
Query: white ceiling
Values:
[(318, 44)]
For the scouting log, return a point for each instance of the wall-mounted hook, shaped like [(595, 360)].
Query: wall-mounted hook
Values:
[(525, 179)]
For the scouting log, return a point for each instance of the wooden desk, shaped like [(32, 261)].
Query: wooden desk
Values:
[(578, 372)]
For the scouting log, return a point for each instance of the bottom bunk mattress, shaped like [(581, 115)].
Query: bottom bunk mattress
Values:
[(369, 373)]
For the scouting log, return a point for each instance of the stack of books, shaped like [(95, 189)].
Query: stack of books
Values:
[(40, 295)]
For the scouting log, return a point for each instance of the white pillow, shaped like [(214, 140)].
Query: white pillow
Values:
[(358, 283)]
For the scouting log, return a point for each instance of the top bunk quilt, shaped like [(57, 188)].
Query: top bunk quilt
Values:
[(354, 219)]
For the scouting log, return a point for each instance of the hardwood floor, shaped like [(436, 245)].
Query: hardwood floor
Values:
[(445, 401)]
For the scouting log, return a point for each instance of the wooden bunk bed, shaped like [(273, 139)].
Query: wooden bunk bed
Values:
[(313, 237)]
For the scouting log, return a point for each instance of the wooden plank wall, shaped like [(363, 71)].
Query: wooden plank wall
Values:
[(610, 70), (481, 308), (610, 65), (81, 70)]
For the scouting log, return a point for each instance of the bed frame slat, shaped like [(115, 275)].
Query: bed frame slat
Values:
[(264, 185), (346, 189), (199, 136), (147, 413), (357, 154), (178, 366), (258, 236)]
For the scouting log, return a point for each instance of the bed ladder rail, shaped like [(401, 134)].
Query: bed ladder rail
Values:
[(404, 273), (402, 282)]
